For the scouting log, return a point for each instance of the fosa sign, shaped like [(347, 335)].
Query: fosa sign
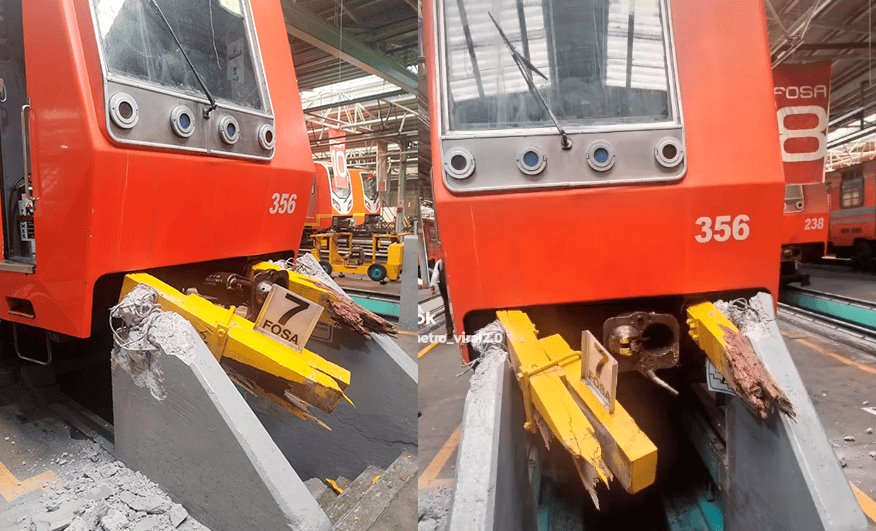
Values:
[(803, 103)]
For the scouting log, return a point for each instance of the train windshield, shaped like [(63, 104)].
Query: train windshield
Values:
[(595, 63), (339, 182), (216, 35), (369, 186)]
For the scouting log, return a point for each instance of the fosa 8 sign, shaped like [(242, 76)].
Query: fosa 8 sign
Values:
[(803, 102)]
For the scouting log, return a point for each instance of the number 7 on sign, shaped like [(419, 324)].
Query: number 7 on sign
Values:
[(299, 306), (288, 317)]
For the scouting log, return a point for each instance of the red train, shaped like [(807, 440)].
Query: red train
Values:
[(127, 148), (654, 199), (853, 213)]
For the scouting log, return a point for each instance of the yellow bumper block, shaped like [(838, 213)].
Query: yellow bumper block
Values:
[(606, 444), (308, 377)]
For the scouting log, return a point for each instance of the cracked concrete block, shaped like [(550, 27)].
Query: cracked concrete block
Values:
[(382, 425), (194, 435), (489, 494)]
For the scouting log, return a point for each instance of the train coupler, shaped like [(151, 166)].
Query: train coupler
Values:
[(294, 379), (565, 398)]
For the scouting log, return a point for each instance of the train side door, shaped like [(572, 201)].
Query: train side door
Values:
[(17, 208)]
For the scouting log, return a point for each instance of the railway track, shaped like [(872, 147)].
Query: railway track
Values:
[(848, 314)]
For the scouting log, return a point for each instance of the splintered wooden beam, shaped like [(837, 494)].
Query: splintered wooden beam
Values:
[(732, 354)]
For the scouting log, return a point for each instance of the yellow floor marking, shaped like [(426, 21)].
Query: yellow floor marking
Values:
[(428, 478), (11, 488), (426, 349), (866, 502), (837, 357), (406, 332)]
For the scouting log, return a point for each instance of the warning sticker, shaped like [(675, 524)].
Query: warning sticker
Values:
[(715, 381)]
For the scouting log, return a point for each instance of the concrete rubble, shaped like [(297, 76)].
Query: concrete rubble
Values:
[(98, 493), (434, 507)]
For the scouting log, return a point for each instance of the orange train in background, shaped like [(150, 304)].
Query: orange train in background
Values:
[(366, 195), (131, 163), (319, 209), (644, 173), (356, 197), (853, 213)]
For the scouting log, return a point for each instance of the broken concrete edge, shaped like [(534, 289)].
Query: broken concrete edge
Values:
[(195, 390), (492, 489), (804, 436)]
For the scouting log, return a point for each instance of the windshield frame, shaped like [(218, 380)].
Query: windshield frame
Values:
[(443, 90), (252, 40)]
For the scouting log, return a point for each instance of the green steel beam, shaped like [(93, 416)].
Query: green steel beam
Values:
[(310, 28)]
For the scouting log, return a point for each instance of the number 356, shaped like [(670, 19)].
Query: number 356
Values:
[(722, 228), (283, 203)]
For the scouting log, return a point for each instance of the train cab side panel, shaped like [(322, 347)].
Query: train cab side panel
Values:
[(116, 187), (637, 219), (805, 222)]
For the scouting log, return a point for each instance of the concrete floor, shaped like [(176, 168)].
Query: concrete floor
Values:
[(840, 379)]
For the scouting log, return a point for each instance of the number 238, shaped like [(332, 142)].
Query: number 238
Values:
[(722, 228), (283, 203)]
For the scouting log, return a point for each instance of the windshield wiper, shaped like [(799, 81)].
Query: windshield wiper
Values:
[(526, 68), (179, 45)]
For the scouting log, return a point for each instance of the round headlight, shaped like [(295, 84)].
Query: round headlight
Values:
[(531, 161), (124, 110), (182, 121), (600, 155), (669, 152), (229, 130), (459, 163), (267, 138)]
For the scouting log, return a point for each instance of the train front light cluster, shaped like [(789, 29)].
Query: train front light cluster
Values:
[(124, 110), (459, 163), (669, 152), (600, 155), (531, 161), (229, 130), (267, 137), (182, 121)]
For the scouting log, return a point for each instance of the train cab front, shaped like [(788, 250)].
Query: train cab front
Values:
[(161, 144), (606, 177)]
